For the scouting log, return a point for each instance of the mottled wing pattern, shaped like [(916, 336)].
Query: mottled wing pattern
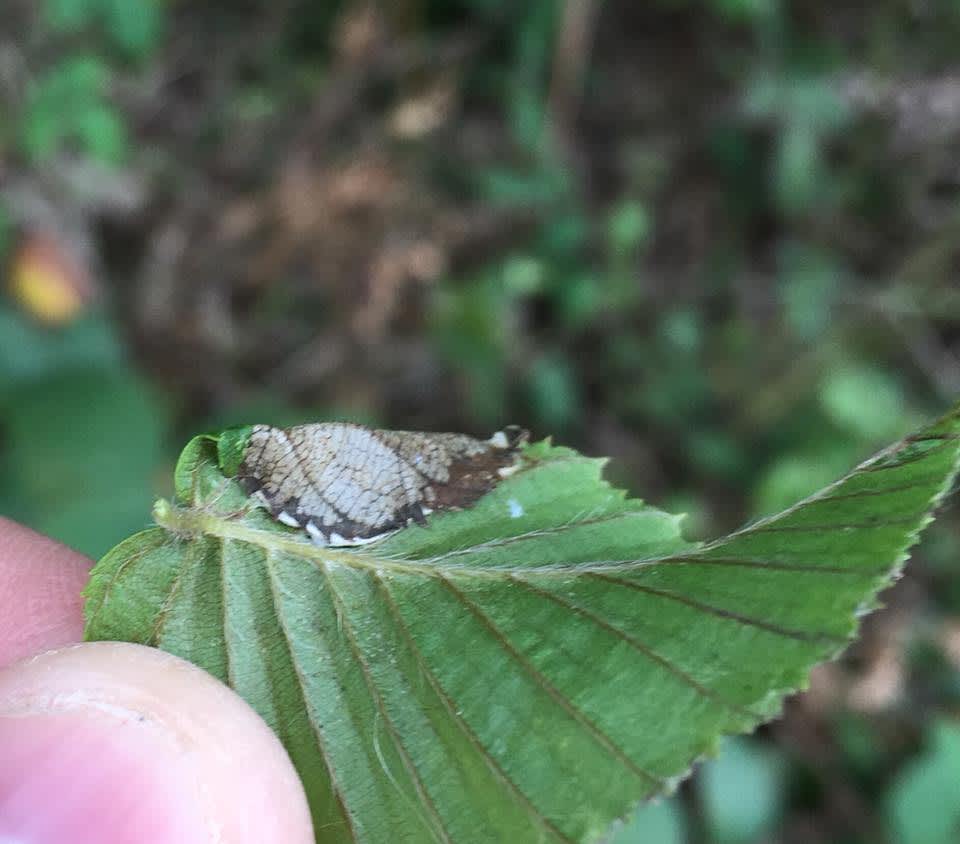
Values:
[(346, 484)]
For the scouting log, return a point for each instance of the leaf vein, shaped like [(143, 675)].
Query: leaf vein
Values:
[(747, 562), (459, 719), (440, 829), (841, 526), (720, 612), (539, 532), (227, 658), (927, 480), (877, 464), (643, 649), (301, 687), (120, 571), (163, 614), (552, 691)]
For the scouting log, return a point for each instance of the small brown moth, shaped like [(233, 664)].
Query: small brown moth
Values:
[(347, 484)]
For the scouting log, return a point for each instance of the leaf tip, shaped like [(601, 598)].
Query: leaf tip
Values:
[(231, 445)]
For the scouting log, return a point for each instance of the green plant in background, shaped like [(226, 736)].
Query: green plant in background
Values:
[(132, 28), (741, 792), (69, 103), (923, 803), (532, 667), (83, 434), (79, 426), (806, 109)]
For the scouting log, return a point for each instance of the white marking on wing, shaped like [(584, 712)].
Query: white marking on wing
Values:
[(317, 535), (285, 518), (499, 440)]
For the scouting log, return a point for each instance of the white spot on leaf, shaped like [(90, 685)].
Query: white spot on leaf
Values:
[(516, 508)]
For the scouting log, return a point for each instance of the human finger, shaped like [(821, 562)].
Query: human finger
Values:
[(40, 585), (116, 743)]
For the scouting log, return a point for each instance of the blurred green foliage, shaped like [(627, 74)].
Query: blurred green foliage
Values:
[(743, 792), (69, 103), (134, 29), (737, 292), (924, 803), (67, 106), (83, 433), (661, 822)]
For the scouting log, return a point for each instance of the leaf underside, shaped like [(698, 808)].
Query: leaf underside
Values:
[(526, 670)]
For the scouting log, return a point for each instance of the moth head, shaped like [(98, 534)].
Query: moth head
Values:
[(510, 438)]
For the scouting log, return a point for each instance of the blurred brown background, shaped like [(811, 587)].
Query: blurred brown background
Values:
[(716, 241)]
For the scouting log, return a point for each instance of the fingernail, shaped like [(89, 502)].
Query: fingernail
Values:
[(73, 778)]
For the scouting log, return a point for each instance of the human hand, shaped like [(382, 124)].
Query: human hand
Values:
[(121, 744)]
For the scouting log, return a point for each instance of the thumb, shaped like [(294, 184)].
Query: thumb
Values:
[(121, 744)]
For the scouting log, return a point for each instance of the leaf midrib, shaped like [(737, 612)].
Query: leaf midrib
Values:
[(190, 523)]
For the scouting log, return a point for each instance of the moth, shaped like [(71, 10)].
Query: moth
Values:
[(348, 484)]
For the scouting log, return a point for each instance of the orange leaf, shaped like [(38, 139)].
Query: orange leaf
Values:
[(47, 281)]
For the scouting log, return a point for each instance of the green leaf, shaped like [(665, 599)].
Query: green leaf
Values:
[(661, 822), (529, 669), (67, 104), (742, 792), (628, 226), (798, 170), (924, 804), (553, 389), (81, 470), (101, 130), (134, 27), (29, 351), (70, 15), (809, 285), (864, 400), (795, 475)]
